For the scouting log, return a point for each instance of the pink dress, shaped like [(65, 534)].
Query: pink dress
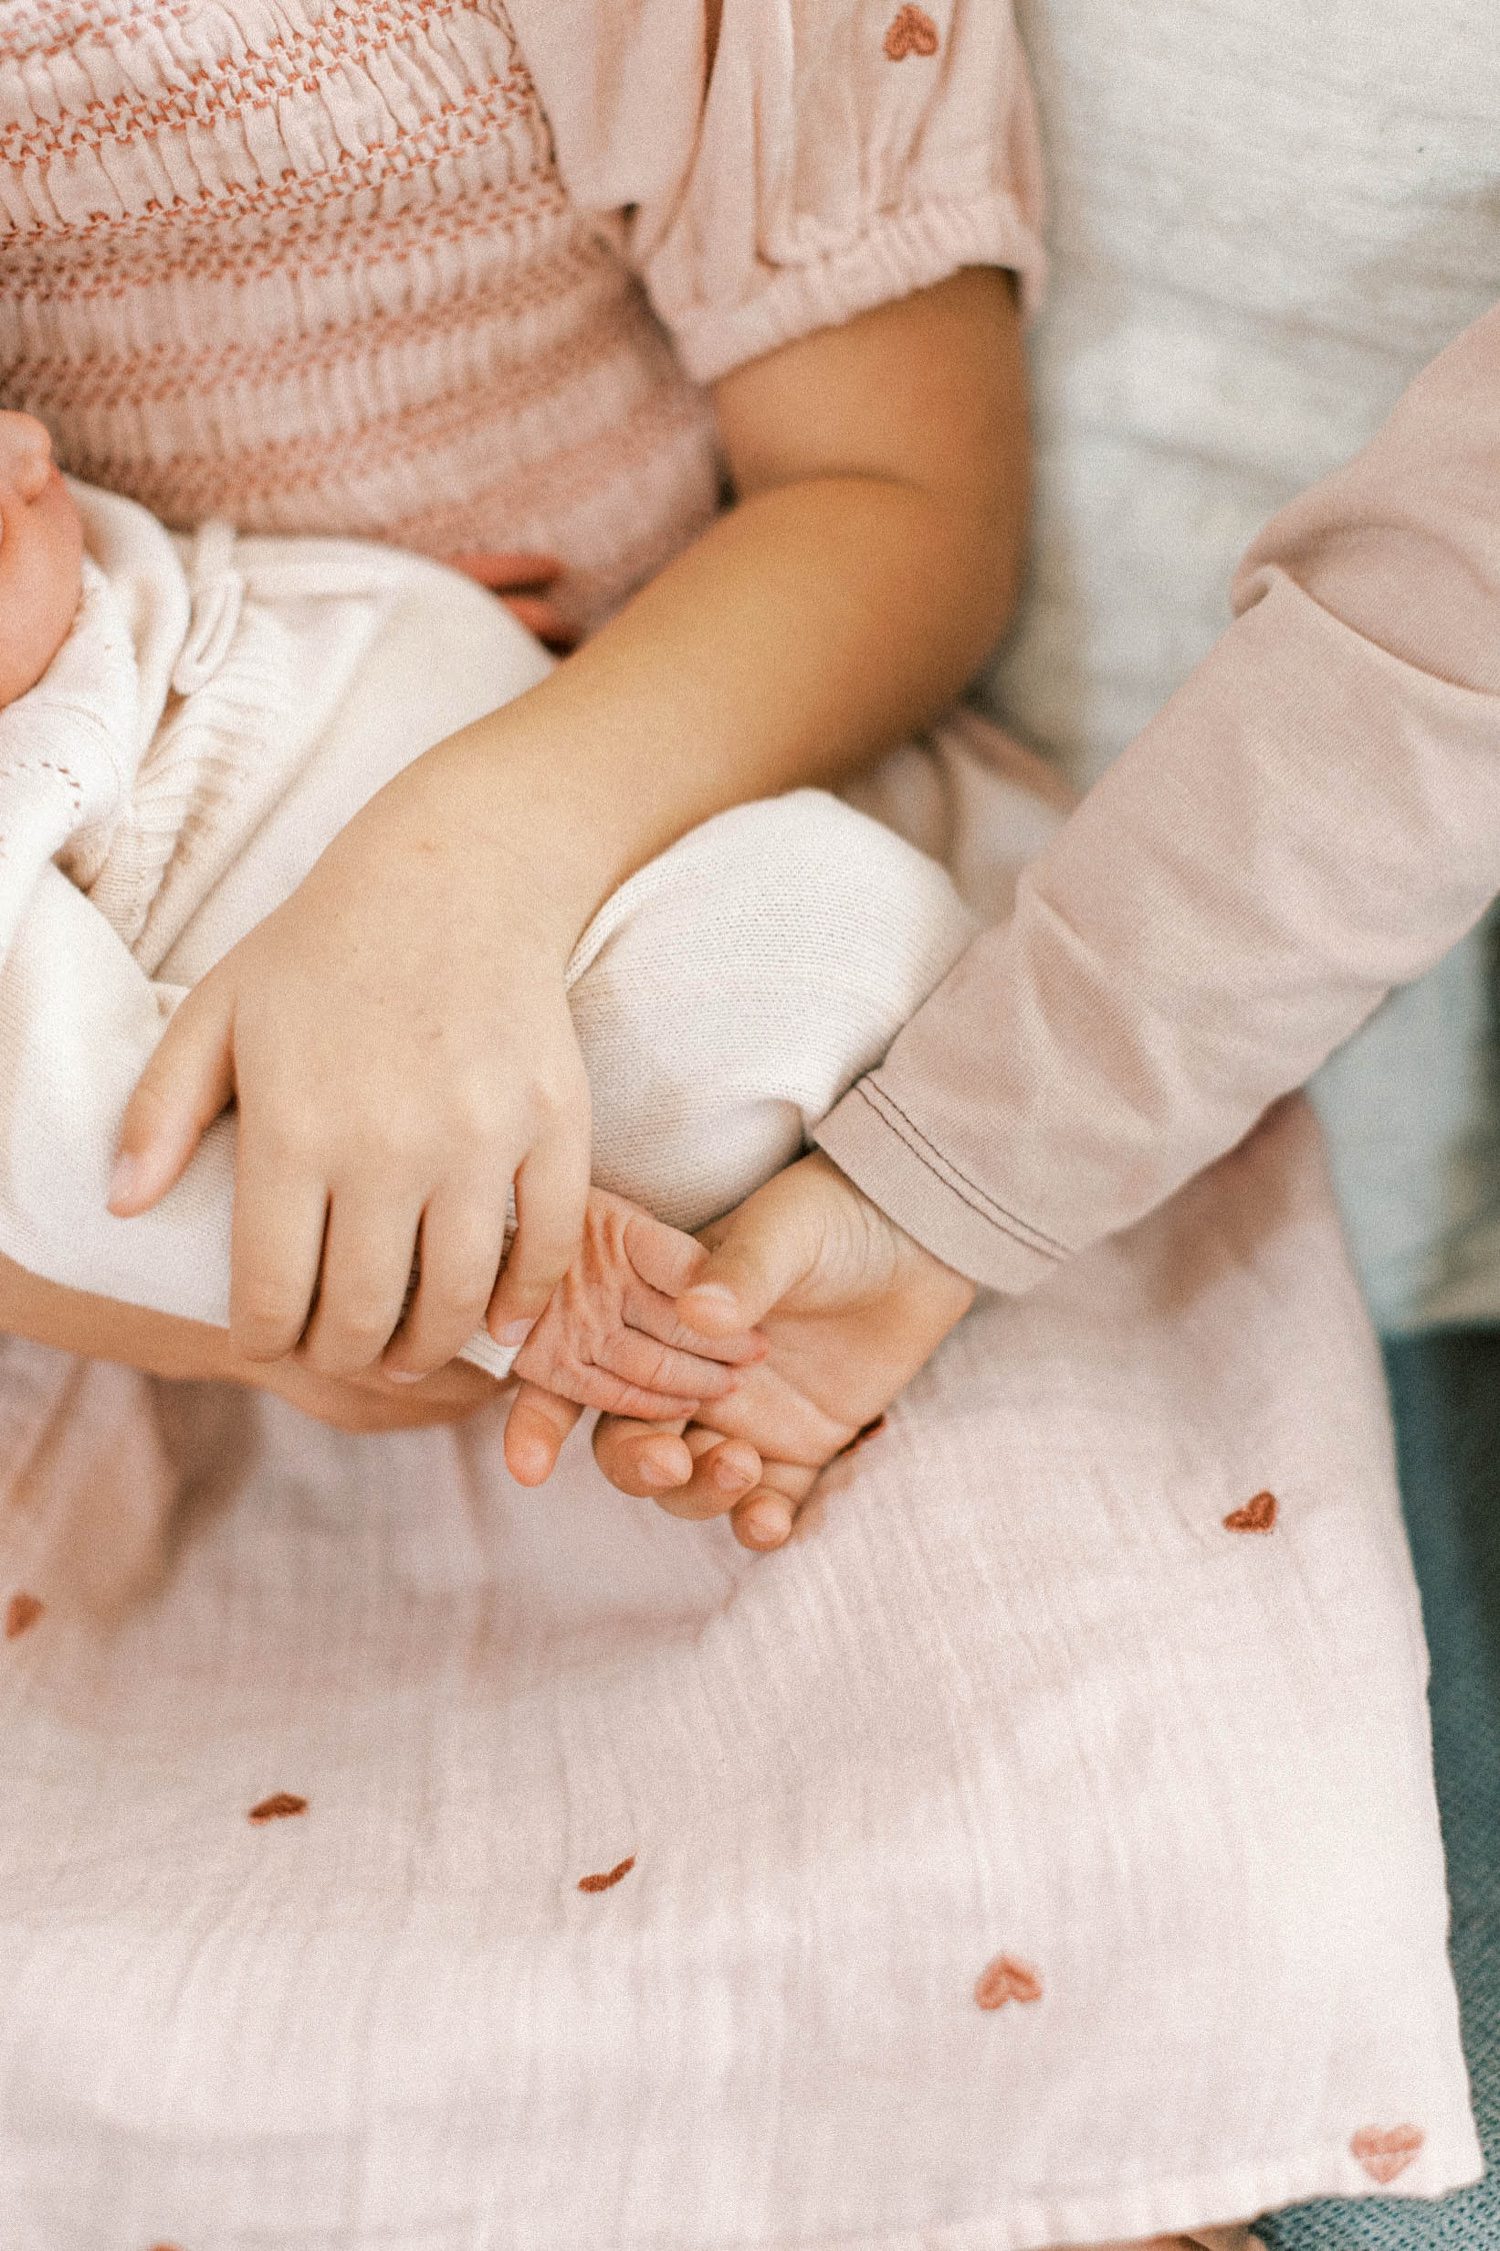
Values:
[(1041, 1849), (453, 277)]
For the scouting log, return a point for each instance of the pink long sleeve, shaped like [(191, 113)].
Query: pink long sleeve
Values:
[(1312, 819)]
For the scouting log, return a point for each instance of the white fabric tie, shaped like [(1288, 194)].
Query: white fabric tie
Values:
[(218, 595)]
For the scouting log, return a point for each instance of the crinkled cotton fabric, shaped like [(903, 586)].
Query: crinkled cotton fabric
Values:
[(1040, 1850)]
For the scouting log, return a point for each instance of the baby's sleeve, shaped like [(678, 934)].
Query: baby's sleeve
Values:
[(795, 162)]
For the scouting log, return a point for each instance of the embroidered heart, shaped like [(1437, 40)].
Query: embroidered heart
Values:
[(912, 32), (1004, 1980), (278, 1808), (610, 1876), (1385, 2151), (1257, 1515), (21, 1614)]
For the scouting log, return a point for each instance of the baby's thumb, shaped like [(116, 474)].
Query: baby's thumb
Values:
[(183, 1088), (763, 1251)]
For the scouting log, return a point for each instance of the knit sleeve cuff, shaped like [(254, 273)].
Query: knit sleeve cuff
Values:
[(889, 1158)]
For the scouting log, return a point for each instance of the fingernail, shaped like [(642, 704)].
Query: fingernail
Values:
[(516, 1332), (654, 1471), (768, 1526), (729, 1478), (125, 1180)]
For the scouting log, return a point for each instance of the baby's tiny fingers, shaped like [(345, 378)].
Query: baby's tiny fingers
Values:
[(656, 1315), (535, 1428), (560, 1370), (655, 1367)]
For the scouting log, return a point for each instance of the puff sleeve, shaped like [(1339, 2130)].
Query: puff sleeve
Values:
[(795, 162)]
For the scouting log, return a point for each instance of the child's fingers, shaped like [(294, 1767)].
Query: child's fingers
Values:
[(643, 1459), (725, 1470), (276, 1250), (535, 1428), (367, 1261), (183, 1088), (552, 1189), (766, 1248), (663, 1256), (459, 1253), (764, 1517), (688, 1470)]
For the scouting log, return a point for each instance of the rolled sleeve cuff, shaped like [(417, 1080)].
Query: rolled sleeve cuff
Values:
[(889, 1158), (903, 252)]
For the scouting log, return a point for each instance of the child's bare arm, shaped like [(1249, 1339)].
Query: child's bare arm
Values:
[(870, 563), (163, 1344)]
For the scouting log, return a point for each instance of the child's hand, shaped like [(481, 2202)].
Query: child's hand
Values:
[(397, 1041), (851, 1308), (611, 1338)]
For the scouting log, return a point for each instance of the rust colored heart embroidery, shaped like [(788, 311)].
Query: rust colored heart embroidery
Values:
[(1385, 2151), (912, 32), (278, 1808), (1004, 1980), (21, 1615), (610, 1876), (1258, 1515)]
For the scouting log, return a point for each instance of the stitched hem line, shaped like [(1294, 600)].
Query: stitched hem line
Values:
[(968, 1192)]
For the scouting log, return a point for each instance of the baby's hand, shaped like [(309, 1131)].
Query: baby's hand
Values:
[(610, 1339)]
